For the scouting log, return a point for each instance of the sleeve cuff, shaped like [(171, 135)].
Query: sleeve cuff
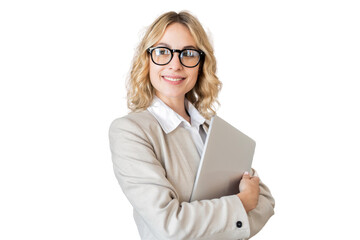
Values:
[(240, 219)]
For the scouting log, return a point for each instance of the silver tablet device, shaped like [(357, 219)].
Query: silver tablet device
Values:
[(227, 154)]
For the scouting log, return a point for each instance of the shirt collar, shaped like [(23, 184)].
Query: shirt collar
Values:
[(169, 119)]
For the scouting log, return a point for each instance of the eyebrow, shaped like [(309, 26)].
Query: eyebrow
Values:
[(168, 46)]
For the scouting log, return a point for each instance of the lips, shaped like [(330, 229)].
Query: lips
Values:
[(173, 79)]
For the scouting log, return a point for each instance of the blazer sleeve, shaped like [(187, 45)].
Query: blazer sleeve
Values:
[(263, 211), (143, 181)]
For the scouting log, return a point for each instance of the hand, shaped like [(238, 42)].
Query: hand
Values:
[(249, 191)]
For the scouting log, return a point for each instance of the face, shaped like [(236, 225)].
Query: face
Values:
[(173, 81)]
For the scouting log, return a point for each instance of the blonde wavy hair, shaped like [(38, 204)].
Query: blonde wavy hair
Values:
[(203, 96)]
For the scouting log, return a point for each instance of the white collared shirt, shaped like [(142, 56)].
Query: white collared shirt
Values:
[(169, 120)]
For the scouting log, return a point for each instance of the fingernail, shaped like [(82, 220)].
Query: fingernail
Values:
[(246, 173)]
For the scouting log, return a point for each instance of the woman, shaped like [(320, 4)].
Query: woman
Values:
[(156, 148)]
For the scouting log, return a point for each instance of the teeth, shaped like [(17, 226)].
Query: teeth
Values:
[(173, 79)]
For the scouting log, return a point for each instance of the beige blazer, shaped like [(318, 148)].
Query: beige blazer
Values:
[(156, 172)]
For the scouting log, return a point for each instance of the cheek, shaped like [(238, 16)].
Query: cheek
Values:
[(194, 74), (154, 71)]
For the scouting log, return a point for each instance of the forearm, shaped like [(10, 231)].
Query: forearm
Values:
[(159, 207)]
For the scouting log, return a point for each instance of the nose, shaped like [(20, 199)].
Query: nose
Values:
[(175, 62)]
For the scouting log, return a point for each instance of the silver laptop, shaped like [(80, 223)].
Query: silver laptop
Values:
[(227, 154)]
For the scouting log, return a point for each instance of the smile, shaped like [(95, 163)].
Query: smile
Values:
[(173, 79)]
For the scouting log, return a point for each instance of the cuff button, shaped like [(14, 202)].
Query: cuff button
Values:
[(239, 224)]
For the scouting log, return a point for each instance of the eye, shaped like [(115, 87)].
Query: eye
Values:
[(162, 51), (190, 53)]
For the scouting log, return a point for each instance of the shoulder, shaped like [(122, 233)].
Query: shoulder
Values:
[(142, 121)]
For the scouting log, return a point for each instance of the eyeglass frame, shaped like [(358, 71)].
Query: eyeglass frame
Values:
[(172, 51)]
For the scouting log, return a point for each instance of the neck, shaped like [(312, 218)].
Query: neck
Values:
[(176, 104)]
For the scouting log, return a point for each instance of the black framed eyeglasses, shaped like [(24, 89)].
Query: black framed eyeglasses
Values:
[(188, 57)]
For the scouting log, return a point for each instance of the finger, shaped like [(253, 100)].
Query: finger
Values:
[(246, 175), (256, 179)]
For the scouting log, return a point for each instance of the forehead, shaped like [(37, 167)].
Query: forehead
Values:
[(177, 36)]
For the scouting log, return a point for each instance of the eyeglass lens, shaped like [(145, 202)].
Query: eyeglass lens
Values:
[(188, 57)]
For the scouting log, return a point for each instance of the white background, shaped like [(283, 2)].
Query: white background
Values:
[(289, 71)]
